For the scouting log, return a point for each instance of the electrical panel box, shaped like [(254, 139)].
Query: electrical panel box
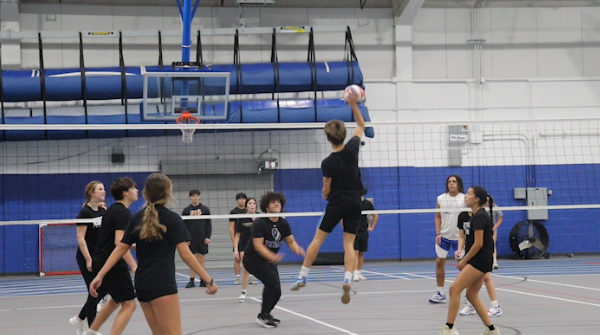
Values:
[(535, 196), (458, 135)]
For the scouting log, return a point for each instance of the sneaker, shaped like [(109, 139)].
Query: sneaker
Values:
[(242, 297), (448, 331), (346, 287), (202, 283), (438, 298), (495, 266), (102, 302), (91, 332), (252, 280), (355, 278), (496, 331), (494, 311), (361, 277), (468, 310), (298, 284), (238, 280), (190, 284), (80, 326), (277, 321), (265, 320)]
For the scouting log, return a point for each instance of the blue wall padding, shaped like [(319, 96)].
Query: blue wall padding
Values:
[(57, 196), (251, 111), (406, 236), (21, 86)]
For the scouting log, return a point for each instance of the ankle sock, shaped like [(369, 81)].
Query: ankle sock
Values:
[(491, 327), (303, 272), (450, 325)]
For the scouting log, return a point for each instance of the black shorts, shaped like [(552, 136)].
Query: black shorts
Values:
[(349, 211), (482, 265), (243, 243), (361, 242), (199, 247), (149, 295), (117, 282)]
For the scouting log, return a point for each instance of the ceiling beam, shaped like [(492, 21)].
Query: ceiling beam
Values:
[(405, 11)]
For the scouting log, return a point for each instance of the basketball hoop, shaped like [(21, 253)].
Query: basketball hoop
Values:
[(187, 135)]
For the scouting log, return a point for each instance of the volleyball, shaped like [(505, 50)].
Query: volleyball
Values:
[(355, 89)]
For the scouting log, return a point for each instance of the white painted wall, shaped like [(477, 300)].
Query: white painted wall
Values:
[(538, 63)]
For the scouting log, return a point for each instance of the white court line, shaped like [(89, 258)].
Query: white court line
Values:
[(311, 319), (536, 295), (550, 297), (377, 273), (550, 283), (226, 298)]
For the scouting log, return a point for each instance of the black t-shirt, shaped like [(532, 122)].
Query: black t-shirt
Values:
[(199, 229), (156, 259), (116, 218), (479, 221), (273, 232), (91, 233), (463, 218), (365, 205), (342, 168), (244, 227), (236, 211)]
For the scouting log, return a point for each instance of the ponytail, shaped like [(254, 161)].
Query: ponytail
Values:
[(491, 204), (157, 191), (151, 229)]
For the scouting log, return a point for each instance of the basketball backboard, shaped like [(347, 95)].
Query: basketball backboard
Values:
[(204, 95)]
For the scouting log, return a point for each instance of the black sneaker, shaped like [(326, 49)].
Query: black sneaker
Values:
[(190, 284), (202, 283), (265, 320), (277, 321)]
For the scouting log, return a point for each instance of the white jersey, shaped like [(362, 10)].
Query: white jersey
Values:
[(449, 228)]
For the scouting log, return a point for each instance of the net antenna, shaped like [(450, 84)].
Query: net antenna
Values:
[(187, 134)]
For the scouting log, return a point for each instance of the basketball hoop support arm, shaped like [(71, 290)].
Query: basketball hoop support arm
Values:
[(187, 16)]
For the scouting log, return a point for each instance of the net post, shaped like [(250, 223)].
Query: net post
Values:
[(41, 248)]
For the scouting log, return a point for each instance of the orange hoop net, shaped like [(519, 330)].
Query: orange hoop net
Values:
[(187, 135)]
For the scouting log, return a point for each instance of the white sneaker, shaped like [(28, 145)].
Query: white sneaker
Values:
[(495, 266), (448, 331), (361, 277), (80, 326), (355, 277), (468, 310), (252, 280), (496, 331), (438, 298), (102, 302), (238, 280), (494, 311), (242, 297)]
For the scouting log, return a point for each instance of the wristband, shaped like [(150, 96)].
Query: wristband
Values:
[(438, 234), (212, 281)]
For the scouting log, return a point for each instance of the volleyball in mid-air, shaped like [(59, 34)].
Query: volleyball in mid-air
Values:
[(355, 89)]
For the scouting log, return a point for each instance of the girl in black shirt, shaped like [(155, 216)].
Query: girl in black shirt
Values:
[(243, 229), (87, 234), (478, 260), (157, 232), (262, 253)]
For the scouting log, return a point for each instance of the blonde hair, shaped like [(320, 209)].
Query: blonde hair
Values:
[(335, 131), (89, 189), (157, 191)]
